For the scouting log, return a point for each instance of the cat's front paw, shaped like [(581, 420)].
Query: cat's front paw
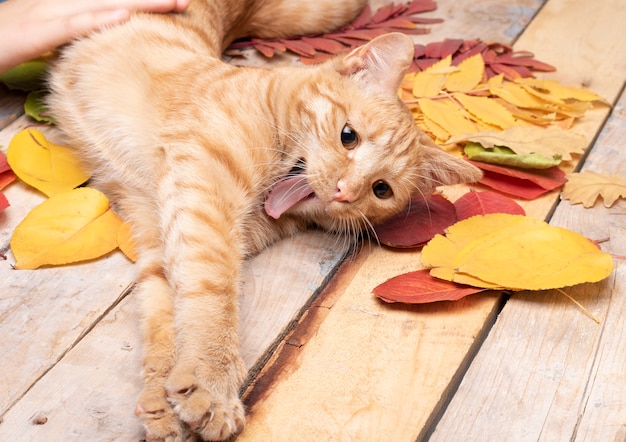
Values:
[(205, 396), (160, 421)]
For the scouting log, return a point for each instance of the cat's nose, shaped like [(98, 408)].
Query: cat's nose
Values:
[(343, 193)]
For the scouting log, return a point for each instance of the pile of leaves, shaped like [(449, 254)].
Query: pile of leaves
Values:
[(318, 48)]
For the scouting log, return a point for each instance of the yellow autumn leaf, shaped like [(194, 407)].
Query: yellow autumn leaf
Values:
[(551, 141), (517, 95), (468, 76), (486, 110), (516, 253), (126, 242), (44, 165), (447, 115), (71, 226), (585, 188), (560, 91), (429, 82)]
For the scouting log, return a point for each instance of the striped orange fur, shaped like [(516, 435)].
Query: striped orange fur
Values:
[(190, 148)]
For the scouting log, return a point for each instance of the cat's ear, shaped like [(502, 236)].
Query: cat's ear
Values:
[(380, 64), (444, 168)]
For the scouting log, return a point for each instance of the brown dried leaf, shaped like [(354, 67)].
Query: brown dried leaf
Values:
[(585, 188)]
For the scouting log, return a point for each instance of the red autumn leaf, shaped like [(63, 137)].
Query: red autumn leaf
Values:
[(7, 176), (364, 18), (267, 50), (383, 13), (419, 287), (324, 45), (388, 18), (527, 183), (481, 203), (4, 203), (511, 73), (418, 223), (524, 58), (396, 23), (419, 6), (299, 47)]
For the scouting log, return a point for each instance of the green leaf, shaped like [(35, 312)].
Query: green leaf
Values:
[(26, 76), (35, 106), (506, 157)]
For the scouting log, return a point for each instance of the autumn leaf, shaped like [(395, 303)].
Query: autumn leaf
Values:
[(482, 203), (469, 75), (7, 176), (4, 203), (560, 91), (429, 82), (586, 187), (487, 110), (516, 253), (46, 166), (418, 223), (26, 76), (523, 183), (550, 142), (318, 48), (506, 157), (126, 242), (71, 226), (35, 106), (419, 287)]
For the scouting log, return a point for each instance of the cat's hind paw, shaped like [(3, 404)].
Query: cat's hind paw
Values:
[(209, 404)]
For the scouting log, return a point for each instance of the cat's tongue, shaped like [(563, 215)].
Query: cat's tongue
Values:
[(286, 194)]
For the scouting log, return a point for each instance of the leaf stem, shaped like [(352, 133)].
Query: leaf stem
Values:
[(580, 306)]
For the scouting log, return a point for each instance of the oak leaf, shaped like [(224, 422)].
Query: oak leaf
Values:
[(514, 252), (71, 226), (586, 187), (46, 166)]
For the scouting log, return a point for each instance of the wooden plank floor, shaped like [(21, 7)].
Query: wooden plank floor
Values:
[(354, 368)]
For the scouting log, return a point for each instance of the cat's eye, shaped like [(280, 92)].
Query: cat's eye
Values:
[(349, 137), (382, 190)]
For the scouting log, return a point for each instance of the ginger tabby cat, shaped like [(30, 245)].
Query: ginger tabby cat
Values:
[(212, 163)]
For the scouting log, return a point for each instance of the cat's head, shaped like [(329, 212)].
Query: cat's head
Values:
[(358, 156)]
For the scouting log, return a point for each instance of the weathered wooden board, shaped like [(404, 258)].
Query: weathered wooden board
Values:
[(348, 378), (11, 105), (547, 371)]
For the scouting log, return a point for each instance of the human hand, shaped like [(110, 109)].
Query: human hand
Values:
[(30, 28)]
